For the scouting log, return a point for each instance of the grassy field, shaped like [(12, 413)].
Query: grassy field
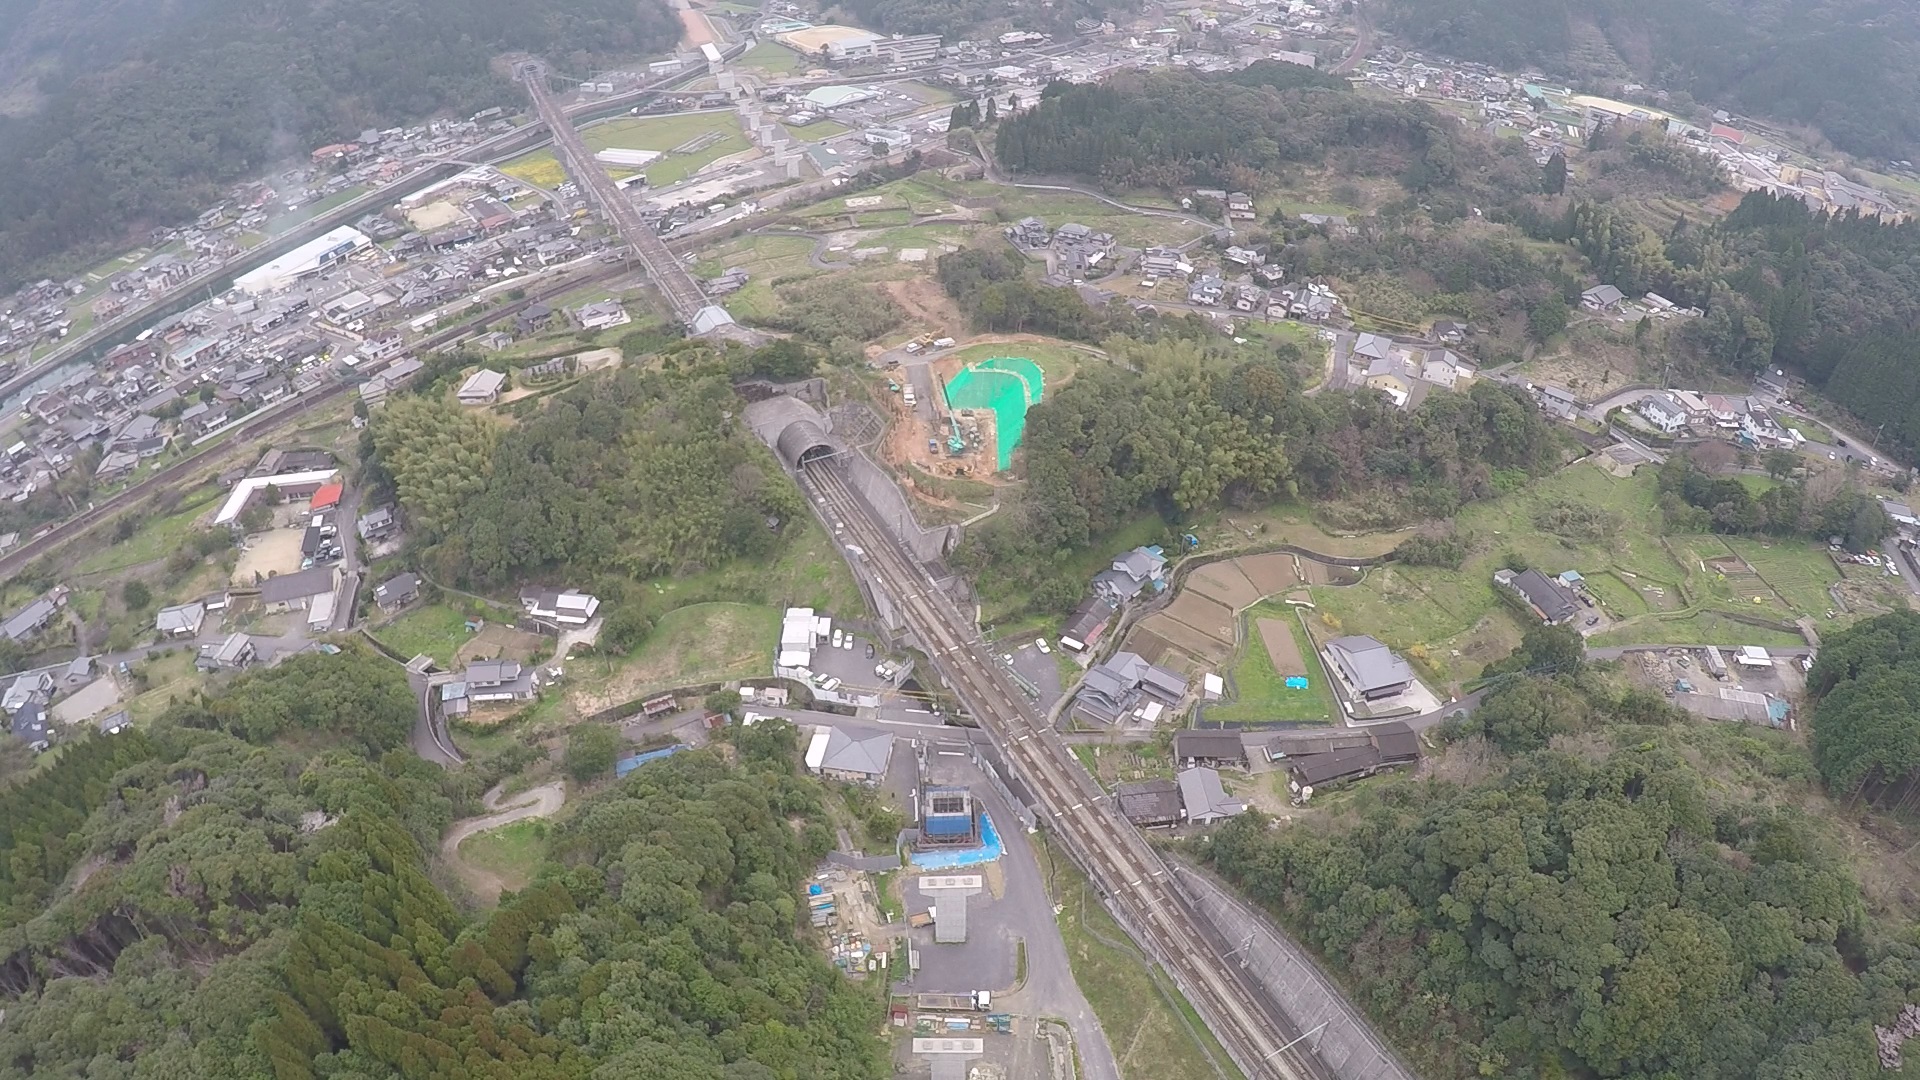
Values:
[(1450, 622), (169, 677), (772, 58), (511, 852), (437, 630), (701, 643), (663, 133), (1257, 692), (762, 257), (1153, 1031), (155, 540), (818, 131), (810, 572)]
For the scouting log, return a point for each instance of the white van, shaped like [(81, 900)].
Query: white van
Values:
[(907, 396)]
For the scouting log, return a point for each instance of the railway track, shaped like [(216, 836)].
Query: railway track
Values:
[(669, 275), (1262, 1042)]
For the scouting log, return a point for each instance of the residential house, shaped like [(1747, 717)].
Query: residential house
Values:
[(29, 688), (233, 653), (1556, 401), (377, 524), (1162, 262), (1602, 298), (1663, 413), (1149, 804), (568, 607), (855, 760), (1205, 798), (1215, 748), (1446, 368), (602, 316), (32, 618), (1206, 290), (1370, 670), (1240, 206), (1549, 601), (1029, 234), (181, 620), (1725, 412), (296, 591), (29, 725), (731, 280), (1447, 332), (481, 388), (499, 680), (1386, 746), (1086, 624), (1249, 298), (397, 592), (1141, 568), (1246, 258), (532, 319), (1127, 685)]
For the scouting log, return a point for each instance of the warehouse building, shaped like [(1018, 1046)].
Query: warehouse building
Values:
[(304, 261)]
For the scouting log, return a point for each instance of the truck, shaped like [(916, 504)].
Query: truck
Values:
[(907, 396), (978, 1001), (920, 918)]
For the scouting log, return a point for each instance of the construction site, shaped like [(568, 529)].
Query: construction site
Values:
[(961, 421)]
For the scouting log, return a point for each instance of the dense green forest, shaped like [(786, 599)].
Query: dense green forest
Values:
[(1836, 297), (1606, 888), (635, 473), (118, 116), (1866, 720), (1773, 58), (1197, 426), (189, 902), (1237, 130), (1693, 500)]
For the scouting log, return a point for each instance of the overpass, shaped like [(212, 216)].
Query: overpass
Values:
[(683, 294)]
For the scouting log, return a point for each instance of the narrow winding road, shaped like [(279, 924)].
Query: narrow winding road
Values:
[(543, 801)]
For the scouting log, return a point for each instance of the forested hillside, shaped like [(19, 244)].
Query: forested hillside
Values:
[(1850, 68), (1194, 430), (118, 116), (1178, 129), (1866, 725), (223, 909), (1643, 896), (634, 473)]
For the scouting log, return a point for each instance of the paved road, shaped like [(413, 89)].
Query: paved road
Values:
[(543, 801)]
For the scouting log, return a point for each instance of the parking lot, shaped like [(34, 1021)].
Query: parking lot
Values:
[(850, 663), (1039, 670)]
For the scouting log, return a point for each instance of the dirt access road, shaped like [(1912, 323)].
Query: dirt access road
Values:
[(543, 801)]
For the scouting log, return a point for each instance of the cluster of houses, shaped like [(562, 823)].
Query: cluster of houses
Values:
[(1407, 371), (1736, 418), (1313, 758), (1555, 600)]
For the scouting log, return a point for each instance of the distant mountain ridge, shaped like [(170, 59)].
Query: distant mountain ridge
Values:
[(118, 115), (1850, 68)]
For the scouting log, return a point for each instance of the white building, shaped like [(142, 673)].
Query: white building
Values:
[(309, 258)]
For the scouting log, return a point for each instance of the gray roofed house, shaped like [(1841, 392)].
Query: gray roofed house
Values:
[(29, 725), (1149, 803), (499, 680), (1368, 667), (1372, 347), (567, 607), (1300, 743), (859, 760), (29, 620), (1205, 798), (1215, 747), (1549, 600), (115, 722), (481, 387), (1382, 746), (286, 592), (1602, 298), (27, 689), (397, 591), (234, 652), (1663, 412), (453, 698), (1131, 572), (376, 523), (1112, 689)]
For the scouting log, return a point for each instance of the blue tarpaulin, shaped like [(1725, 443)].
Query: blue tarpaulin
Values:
[(1296, 682), (624, 767)]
